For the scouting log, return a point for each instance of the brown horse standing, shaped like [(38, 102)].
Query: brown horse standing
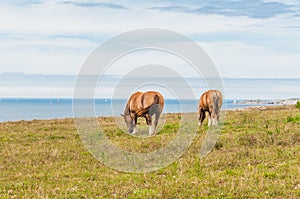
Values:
[(210, 101), (148, 105)]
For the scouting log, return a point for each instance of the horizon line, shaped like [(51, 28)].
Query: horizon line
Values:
[(114, 75)]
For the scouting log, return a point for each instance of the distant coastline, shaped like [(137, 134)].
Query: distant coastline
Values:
[(290, 101)]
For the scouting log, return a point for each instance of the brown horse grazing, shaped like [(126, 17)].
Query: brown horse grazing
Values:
[(148, 105), (210, 101)]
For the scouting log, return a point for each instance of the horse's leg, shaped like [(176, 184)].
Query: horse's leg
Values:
[(210, 119), (157, 116), (147, 117), (134, 122), (215, 119), (218, 116), (152, 125), (149, 122), (201, 116), (154, 113)]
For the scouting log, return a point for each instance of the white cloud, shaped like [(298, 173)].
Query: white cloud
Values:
[(234, 59), (56, 38)]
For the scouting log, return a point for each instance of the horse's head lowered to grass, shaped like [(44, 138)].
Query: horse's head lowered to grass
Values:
[(128, 121)]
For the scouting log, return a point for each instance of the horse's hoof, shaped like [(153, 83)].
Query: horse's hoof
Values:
[(134, 132)]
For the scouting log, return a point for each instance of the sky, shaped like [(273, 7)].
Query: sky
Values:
[(244, 38)]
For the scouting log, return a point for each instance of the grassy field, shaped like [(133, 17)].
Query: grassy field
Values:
[(257, 156)]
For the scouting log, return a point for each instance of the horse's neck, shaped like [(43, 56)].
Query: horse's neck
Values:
[(126, 110)]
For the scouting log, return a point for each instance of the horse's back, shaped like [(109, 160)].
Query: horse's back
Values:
[(150, 98), (154, 96), (205, 100), (140, 101), (209, 97)]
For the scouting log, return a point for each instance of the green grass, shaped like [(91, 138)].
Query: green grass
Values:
[(291, 118), (257, 156), (298, 104)]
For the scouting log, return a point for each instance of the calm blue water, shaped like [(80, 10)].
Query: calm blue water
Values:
[(27, 97), (29, 109)]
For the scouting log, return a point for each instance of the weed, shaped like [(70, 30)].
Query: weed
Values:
[(298, 104), (270, 175), (293, 119)]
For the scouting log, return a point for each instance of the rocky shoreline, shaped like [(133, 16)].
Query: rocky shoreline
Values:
[(263, 104), (290, 101)]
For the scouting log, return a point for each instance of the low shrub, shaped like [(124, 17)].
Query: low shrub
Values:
[(293, 119), (298, 104)]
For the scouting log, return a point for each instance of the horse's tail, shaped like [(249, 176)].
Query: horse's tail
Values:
[(156, 99), (156, 106), (215, 104), (160, 102), (155, 102)]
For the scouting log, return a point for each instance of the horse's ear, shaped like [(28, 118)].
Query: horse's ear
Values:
[(122, 115)]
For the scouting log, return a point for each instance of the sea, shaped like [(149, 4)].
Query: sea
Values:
[(29, 97)]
